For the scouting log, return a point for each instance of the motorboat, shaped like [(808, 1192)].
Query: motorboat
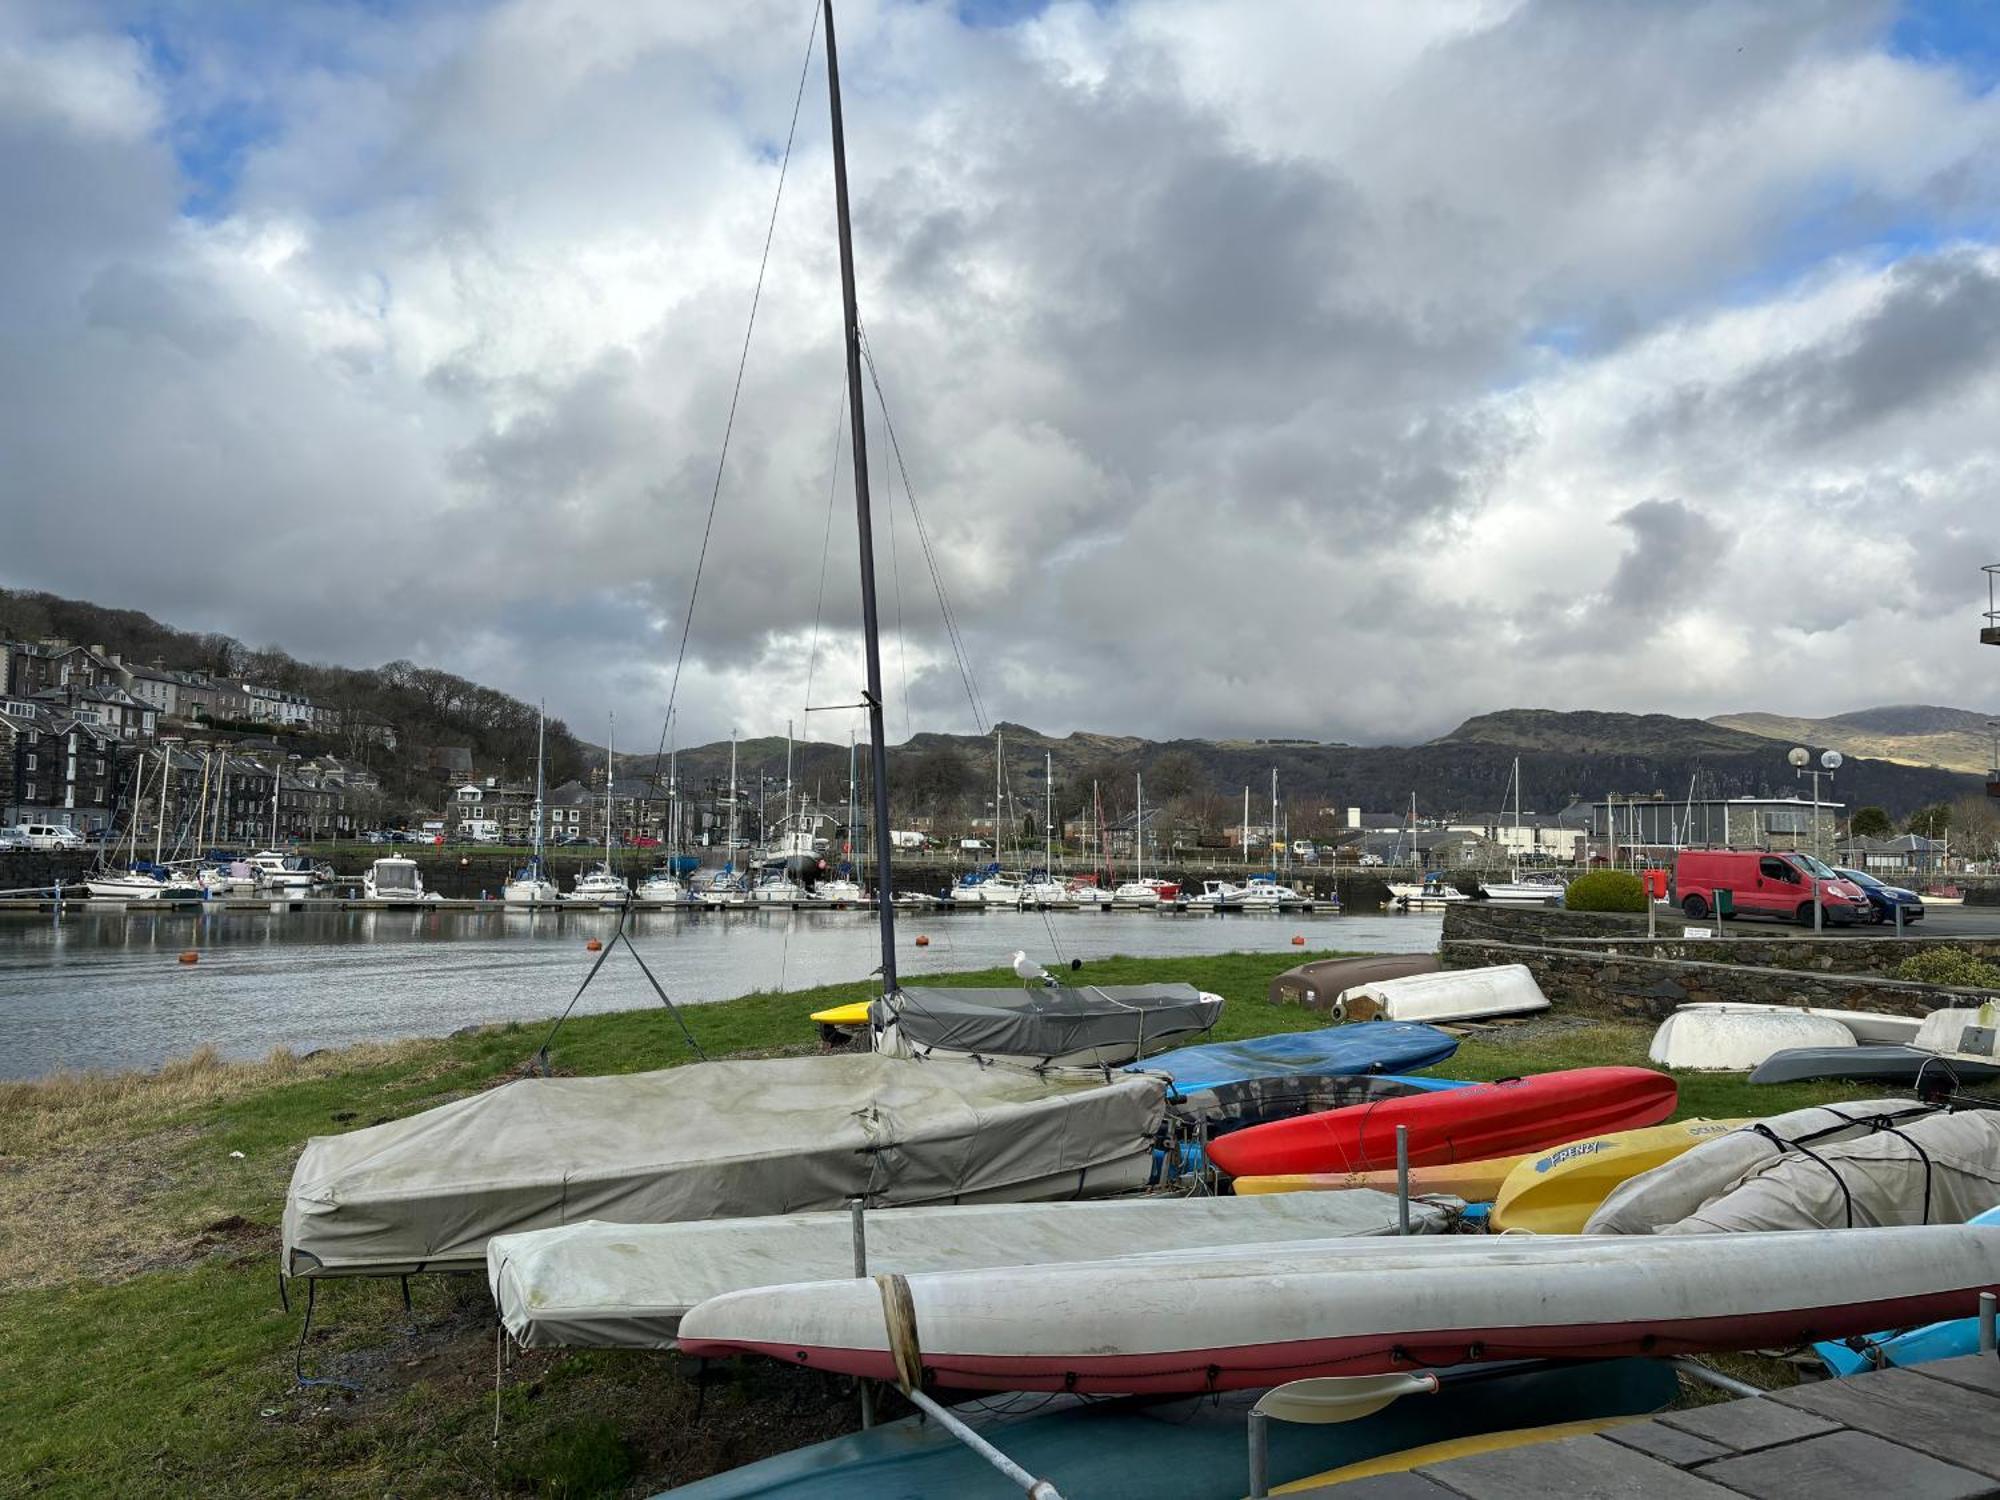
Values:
[(661, 888), (1215, 895), (722, 889), (233, 877), (1089, 894), (278, 871), (841, 892), (600, 884), (780, 890), (994, 889), (396, 880), (1269, 895), (1135, 895), (1434, 891)]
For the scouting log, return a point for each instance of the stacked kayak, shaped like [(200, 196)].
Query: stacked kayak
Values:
[(1191, 1321), (1449, 995), (1556, 1191), (1474, 1181), (1672, 1192), (627, 1286), (1486, 1120), (1373, 1047), (1190, 1449), (1912, 1346)]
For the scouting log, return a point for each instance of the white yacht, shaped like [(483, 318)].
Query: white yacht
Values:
[(531, 884), (1215, 895), (1088, 894), (235, 877), (1136, 895), (779, 890), (1523, 889), (278, 871), (722, 889), (397, 880), (994, 890), (126, 885), (1050, 895), (1434, 891), (600, 884), (661, 888)]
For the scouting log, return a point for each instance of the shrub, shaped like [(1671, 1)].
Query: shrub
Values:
[(1606, 890), (1950, 966)]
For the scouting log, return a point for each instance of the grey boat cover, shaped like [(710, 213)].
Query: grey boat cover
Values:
[(1944, 1170), (1676, 1189), (625, 1286), (713, 1140), (1103, 1026), (1877, 1062)]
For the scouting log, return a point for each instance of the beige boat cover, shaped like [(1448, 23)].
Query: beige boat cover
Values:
[(1944, 1170), (1676, 1189), (711, 1140), (625, 1286)]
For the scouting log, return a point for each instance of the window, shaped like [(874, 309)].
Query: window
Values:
[(1775, 869), (28, 763)]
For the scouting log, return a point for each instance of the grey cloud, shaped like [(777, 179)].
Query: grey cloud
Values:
[(1676, 551)]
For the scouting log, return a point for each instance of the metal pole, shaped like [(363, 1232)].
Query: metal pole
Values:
[(1701, 1374), (857, 416), (857, 1217), (1402, 1179), (1035, 1489), (1260, 1455), (1988, 1305), (1899, 919)]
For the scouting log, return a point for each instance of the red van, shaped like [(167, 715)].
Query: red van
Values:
[(1763, 883)]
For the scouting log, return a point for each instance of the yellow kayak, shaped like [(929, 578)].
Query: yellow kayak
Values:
[(844, 1015), (1464, 1447), (1474, 1181), (1555, 1191)]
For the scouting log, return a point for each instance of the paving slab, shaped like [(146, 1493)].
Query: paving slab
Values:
[(1846, 1463), (1668, 1444), (1975, 1372), (1384, 1487), (1575, 1467), (1958, 1425), (1747, 1425)]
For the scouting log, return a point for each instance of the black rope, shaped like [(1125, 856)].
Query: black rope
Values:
[(736, 393), (672, 1009), (310, 1382), (539, 1062)]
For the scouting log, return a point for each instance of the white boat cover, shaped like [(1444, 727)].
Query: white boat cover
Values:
[(711, 1140), (625, 1286), (1736, 1041), (1944, 1170), (1448, 995), (1671, 1192), (1868, 1026), (1101, 1026)]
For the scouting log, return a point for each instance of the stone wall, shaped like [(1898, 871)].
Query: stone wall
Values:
[(1535, 924), (24, 869), (1632, 985)]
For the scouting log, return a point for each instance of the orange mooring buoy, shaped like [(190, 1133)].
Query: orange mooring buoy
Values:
[(593, 946), (190, 957), (922, 941), (1298, 940)]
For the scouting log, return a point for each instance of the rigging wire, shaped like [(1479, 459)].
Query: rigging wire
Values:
[(736, 392), (825, 548), (951, 625)]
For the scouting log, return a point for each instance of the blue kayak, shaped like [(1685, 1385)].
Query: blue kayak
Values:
[(1363, 1047), (1130, 1448), (1915, 1346)]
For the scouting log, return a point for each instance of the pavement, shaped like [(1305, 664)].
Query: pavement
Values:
[(1938, 921)]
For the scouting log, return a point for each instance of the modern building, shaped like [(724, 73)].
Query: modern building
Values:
[(1622, 828), (1530, 838)]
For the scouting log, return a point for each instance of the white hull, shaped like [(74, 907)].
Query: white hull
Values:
[(119, 888), (1522, 891), (1450, 995), (1716, 1041), (628, 1285), (1426, 895), (661, 893), (1133, 896), (1202, 1320), (1871, 1026), (526, 892)]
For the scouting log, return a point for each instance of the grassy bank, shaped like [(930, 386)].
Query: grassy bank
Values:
[(145, 1351)]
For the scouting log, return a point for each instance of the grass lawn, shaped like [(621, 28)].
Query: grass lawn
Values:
[(145, 1350)]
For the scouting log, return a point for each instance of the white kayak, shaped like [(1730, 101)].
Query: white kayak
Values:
[(1867, 1026), (1447, 995), (1260, 1315), (1732, 1041), (626, 1286)]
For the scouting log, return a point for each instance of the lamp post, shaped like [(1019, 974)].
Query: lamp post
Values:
[(1801, 763)]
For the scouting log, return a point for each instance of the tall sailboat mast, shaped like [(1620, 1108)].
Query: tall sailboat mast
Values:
[(541, 740), (610, 729), (729, 854), (857, 417)]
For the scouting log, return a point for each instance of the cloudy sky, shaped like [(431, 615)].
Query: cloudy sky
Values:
[(1261, 368)]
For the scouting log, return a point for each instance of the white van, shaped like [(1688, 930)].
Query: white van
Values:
[(49, 836), (479, 831)]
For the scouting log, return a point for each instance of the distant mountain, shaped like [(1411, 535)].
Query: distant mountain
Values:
[(1914, 734), (1586, 732)]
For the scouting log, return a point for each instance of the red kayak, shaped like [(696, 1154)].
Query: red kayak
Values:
[(1509, 1118)]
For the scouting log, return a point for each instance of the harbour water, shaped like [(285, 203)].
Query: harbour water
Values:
[(107, 989)]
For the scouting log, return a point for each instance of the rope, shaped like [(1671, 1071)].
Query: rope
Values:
[(736, 392)]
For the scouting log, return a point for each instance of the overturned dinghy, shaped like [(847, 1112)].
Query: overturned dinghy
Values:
[(1042, 1026), (1943, 1170), (1669, 1193), (1449, 995), (626, 1286), (1725, 1041), (1373, 1047), (711, 1140)]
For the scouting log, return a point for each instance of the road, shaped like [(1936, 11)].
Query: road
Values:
[(1938, 921)]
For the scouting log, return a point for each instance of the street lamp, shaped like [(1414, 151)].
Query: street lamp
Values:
[(1801, 762)]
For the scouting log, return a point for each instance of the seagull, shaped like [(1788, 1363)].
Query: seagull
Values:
[(1029, 970)]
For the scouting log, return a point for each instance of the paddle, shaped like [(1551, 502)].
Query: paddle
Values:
[(1341, 1398)]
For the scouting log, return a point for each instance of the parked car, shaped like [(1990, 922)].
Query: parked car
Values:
[(1885, 898), (12, 839), (571, 840), (644, 841), (1765, 883), (49, 836)]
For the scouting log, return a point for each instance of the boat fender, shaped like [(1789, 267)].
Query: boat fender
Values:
[(899, 1314)]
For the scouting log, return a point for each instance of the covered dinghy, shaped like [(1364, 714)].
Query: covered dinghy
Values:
[(1669, 1193), (625, 1286), (1370, 1047), (711, 1140), (1096, 1026), (1943, 1170)]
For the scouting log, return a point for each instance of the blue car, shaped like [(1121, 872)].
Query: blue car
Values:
[(1886, 898)]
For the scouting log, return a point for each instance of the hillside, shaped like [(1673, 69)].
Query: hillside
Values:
[(1955, 739), (1590, 733)]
